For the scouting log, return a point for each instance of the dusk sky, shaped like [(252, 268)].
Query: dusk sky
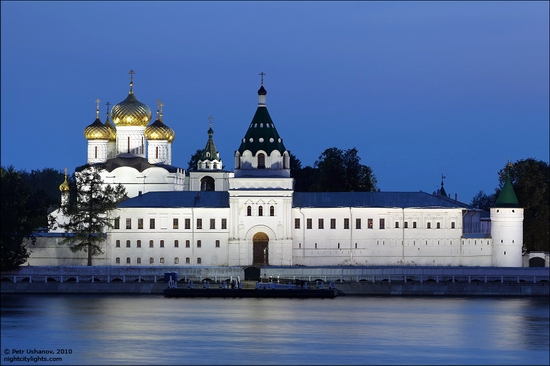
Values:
[(421, 89)]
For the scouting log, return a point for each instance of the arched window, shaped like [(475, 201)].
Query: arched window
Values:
[(151, 260), (249, 211), (156, 152), (271, 211), (127, 243), (150, 243), (138, 260), (260, 211), (95, 152), (187, 260), (199, 261), (128, 260), (117, 260), (176, 260), (261, 161), (161, 260), (128, 144)]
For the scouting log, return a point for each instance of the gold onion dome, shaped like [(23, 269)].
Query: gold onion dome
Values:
[(131, 112), (97, 130), (112, 130), (159, 131), (64, 187)]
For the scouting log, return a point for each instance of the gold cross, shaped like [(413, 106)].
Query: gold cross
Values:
[(210, 118), (131, 75), (262, 75)]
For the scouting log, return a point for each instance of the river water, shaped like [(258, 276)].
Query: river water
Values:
[(153, 330)]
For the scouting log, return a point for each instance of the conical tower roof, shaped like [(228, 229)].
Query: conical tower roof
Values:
[(262, 134), (210, 152), (507, 196)]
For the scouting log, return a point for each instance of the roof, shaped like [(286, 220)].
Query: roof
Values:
[(507, 196), (262, 135), (216, 199), (136, 162), (173, 199), (374, 199)]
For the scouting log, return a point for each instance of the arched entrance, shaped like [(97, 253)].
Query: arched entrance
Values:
[(536, 262), (208, 184), (260, 252)]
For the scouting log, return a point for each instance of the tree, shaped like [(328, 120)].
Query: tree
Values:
[(24, 212), (194, 162), (483, 201), (530, 179), (89, 216), (46, 180), (340, 171)]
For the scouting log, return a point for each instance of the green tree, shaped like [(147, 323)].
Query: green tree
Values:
[(24, 212), (341, 171), (45, 180), (483, 201), (194, 162), (89, 217), (530, 179)]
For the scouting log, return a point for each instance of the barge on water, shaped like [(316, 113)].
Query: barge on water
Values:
[(262, 290)]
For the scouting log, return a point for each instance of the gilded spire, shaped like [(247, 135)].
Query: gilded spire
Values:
[(64, 187)]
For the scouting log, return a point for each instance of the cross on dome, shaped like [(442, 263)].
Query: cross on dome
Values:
[(97, 108), (262, 74), (210, 118)]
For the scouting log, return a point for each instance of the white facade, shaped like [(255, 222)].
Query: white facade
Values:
[(214, 217)]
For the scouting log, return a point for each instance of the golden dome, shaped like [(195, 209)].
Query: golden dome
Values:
[(112, 130), (97, 131), (64, 187), (131, 112), (159, 131)]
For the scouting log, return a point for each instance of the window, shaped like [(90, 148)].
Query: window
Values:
[(176, 260), (212, 224), (187, 244), (175, 224), (117, 223), (151, 223), (176, 244), (187, 260), (355, 245), (199, 223), (261, 161), (127, 243), (248, 211), (358, 223), (117, 260), (333, 223), (224, 224), (271, 211), (406, 224), (117, 243), (296, 223), (151, 260), (346, 223), (397, 224), (260, 211), (188, 224), (308, 224), (414, 224), (199, 261), (429, 225), (150, 243), (217, 243), (161, 260), (128, 261), (162, 243), (140, 224), (452, 225), (138, 260), (128, 224), (315, 245), (438, 225), (369, 223), (138, 243), (321, 224), (199, 243), (382, 224)]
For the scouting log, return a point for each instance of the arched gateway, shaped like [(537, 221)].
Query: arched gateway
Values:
[(260, 252)]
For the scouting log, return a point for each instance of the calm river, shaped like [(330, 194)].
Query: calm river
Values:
[(94, 329)]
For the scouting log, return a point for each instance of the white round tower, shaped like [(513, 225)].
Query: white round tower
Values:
[(507, 228)]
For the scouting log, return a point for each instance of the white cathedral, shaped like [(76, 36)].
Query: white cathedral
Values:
[(251, 216)]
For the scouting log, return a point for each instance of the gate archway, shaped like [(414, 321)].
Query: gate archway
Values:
[(260, 249)]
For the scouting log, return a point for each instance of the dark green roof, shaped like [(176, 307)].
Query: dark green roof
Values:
[(262, 135), (507, 196), (210, 153)]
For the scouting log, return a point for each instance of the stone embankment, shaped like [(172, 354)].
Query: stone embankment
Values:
[(354, 281)]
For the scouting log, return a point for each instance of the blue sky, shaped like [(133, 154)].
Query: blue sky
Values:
[(421, 89)]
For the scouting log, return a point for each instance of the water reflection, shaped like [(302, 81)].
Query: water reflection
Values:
[(350, 330)]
